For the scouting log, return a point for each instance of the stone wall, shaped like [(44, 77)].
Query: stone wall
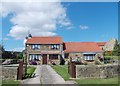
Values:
[(9, 73), (97, 71)]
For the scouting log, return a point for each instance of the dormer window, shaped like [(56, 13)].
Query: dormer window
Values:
[(35, 46)]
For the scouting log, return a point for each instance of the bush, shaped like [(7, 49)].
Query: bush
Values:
[(97, 62), (62, 61), (33, 63), (85, 63)]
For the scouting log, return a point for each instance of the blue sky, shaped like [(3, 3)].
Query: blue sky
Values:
[(93, 21)]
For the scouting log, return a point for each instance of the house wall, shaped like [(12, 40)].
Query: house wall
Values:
[(45, 48), (75, 55)]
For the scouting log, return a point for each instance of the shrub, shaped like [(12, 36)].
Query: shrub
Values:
[(97, 62), (85, 63), (33, 63)]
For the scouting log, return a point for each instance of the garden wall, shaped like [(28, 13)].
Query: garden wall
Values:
[(9, 73), (97, 71)]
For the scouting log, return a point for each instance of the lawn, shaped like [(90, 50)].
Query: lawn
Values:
[(98, 81), (30, 71), (113, 57), (62, 70), (10, 83)]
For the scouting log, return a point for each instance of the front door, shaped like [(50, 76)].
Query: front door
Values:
[(44, 59)]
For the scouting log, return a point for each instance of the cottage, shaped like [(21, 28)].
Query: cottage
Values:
[(87, 51), (44, 49)]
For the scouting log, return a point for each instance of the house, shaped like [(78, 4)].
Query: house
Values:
[(101, 44), (47, 49), (109, 46), (87, 51), (44, 49)]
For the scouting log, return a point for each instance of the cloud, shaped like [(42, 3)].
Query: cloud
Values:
[(5, 39), (84, 27), (19, 49), (39, 18)]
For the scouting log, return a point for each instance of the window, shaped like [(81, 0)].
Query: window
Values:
[(35, 46), (34, 57), (53, 56), (55, 47), (89, 56)]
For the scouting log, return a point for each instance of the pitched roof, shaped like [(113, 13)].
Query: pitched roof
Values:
[(81, 47), (44, 40), (101, 43)]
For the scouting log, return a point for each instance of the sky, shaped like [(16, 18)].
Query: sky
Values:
[(73, 21)]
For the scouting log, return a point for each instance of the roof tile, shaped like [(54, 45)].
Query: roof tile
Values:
[(44, 40), (82, 47)]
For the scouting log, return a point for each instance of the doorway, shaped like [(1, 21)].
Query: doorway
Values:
[(44, 59)]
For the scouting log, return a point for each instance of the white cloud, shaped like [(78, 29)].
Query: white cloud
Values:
[(40, 18), (5, 39), (19, 49), (84, 27)]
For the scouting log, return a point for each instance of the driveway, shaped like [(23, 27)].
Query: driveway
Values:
[(44, 74)]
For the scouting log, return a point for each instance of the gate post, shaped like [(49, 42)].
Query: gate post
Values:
[(20, 69), (72, 68)]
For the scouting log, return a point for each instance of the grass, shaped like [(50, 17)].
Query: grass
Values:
[(98, 81), (112, 57), (10, 83), (62, 70), (30, 71)]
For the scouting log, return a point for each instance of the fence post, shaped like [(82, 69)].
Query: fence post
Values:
[(20, 69)]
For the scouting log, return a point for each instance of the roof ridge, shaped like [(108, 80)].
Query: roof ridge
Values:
[(46, 36)]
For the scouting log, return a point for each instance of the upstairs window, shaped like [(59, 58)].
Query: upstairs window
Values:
[(54, 47), (35, 46)]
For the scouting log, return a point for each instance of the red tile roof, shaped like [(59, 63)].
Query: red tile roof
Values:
[(45, 40), (81, 47), (101, 43)]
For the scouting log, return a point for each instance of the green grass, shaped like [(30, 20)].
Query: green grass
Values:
[(30, 71), (98, 81), (62, 70), (113, 57), (10, 83)]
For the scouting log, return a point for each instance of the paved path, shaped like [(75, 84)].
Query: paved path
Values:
[(44, 74), (49, 76)]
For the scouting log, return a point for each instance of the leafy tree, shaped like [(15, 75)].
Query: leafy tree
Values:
[(116, 50), (20, 56)]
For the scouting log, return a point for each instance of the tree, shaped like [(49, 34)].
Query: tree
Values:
[(116, 50)]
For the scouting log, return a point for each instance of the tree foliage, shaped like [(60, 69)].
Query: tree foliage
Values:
[(116, 51)]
